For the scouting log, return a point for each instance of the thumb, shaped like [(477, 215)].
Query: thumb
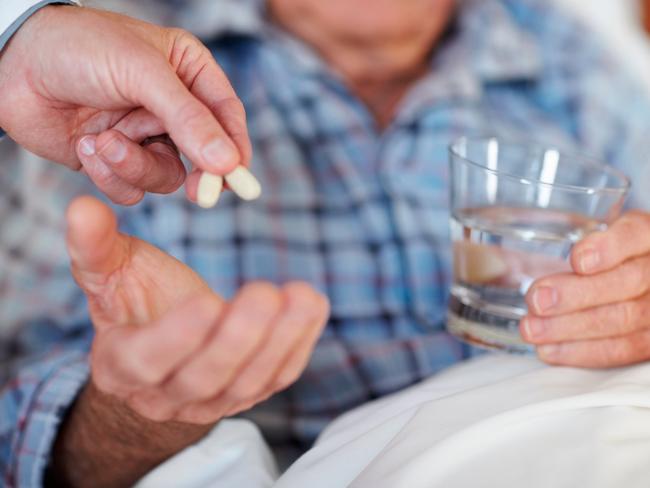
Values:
[(96, 248)]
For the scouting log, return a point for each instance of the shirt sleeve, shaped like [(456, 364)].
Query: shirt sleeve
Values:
[(33, 403), (14, 13)]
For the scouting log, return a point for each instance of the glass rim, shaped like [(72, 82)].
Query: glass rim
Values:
[(579, 159)]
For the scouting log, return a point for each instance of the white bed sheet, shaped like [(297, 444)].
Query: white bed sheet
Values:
[(498, 421)]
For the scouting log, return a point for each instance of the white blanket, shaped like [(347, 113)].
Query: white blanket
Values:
[(498, 421)]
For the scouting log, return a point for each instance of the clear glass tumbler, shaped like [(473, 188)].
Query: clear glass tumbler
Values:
[(517, 209)]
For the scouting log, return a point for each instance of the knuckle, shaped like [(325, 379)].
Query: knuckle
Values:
[(595, 241), (264, 292), (233, 342), (151, 410), (177, 178), (200, 414), (102, 177), (127, 198), (645, 219), (299, 290), (192, 113), (103, 380), (639, 219), (635, 276), (621, 351), (134, 371), (633, 225), (627, 226), (630, 314), (117, 359), (136, 171), (233, 106), (644, 344), (286, 379), (597, 322), (305, 296), (196, 385), (121, 356), (185, 38), (182, 337), (180, 40), (636, 215), (146, 375), (232, 113), (260, 287), (644, 310), (642, 266), (645, 270), (243, 391)]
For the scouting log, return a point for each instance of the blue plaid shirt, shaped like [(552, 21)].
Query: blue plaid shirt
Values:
[(360, 213)]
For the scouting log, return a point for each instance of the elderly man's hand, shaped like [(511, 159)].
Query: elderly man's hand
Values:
[(169, 354), (85, 88), (598, 316)]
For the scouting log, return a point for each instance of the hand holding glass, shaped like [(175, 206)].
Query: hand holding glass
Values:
[(517, 210)]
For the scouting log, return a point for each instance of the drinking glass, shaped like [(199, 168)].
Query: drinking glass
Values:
[(517, 209)]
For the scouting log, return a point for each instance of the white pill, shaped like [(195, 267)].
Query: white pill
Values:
[(244, 184), (209, 190)]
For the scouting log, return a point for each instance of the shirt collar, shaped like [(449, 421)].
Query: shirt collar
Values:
[(485, 45)]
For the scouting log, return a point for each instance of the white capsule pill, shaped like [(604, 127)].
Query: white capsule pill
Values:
[(209, 190), (244, 184)]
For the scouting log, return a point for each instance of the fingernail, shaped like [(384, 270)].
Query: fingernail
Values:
[(544, 298), (87, 145), (114, 152), (219, 154), (588, 260), (244, 184), (534, 327), (549, 351), (209, 189)]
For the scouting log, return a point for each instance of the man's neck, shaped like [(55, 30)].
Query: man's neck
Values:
[(384, 96), (379, 64)]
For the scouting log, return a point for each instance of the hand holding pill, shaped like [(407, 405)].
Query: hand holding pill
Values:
[(99, 110)]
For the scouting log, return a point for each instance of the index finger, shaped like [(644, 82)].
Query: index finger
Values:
[(189, 122), (212, 87), (568, 292), (206, 81), (628, 237)]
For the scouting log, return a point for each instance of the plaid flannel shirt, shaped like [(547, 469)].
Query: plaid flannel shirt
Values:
[(360, 213)]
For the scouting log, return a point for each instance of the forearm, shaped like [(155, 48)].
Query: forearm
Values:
[(104, 441)]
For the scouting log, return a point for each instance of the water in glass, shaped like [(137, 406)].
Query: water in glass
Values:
[(498, 253)]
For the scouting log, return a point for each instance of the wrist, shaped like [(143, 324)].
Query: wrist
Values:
[(18, 14), (20, 50), (103, 438), (24, 27)]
